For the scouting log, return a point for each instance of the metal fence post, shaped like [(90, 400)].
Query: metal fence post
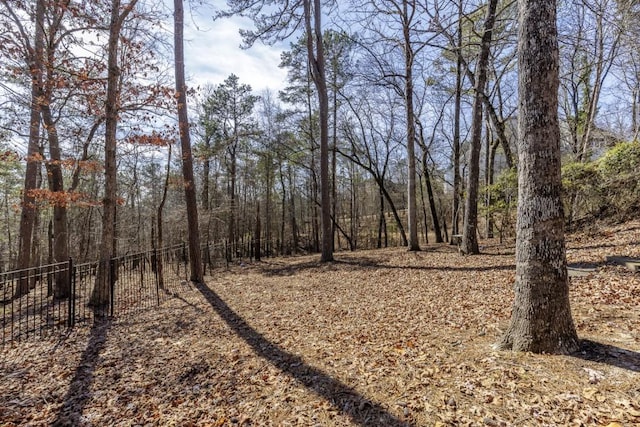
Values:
[(227, 254), (185, 259), (70, 277), (154, 264), (112, 280)]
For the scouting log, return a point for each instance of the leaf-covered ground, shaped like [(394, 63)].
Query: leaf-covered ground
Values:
[(385, 337)]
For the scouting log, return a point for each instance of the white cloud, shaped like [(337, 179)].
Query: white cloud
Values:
[(212, 53)]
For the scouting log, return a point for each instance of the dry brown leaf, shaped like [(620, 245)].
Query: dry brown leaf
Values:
[(410, 332)]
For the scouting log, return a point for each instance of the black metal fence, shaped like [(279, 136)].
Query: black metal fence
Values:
[(37, 301)]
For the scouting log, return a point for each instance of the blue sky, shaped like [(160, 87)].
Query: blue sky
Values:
[(212, 52)]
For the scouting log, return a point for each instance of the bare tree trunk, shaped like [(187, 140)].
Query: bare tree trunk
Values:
[(490, 180), (283, 216), (382, 222), (195, 260), (603, 66), (268, 224), (28, 209), (432, 204), (444, 222), (541, 319), (394, 211), (60, 227), (315, 225), (101, 291), (498, 123), (427, 178), (233, 238), (635, 95), (334, 165), (412, 210), (292, 212), (457, 191), (469, 235), (206, 175), (315, 51), (258, 235), (54, 167), (424, 211), (160, 225)]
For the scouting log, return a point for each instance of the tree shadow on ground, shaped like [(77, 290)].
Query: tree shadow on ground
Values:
[(608, 354), (356, 263), (586, 265), (577, 247), (80, 388), (188, 303), (366, 263), (345, 399)]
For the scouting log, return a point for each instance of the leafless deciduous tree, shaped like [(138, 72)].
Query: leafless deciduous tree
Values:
[(469, 235), (101, 291), (195, 259)]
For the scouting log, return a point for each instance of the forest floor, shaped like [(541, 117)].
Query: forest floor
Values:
[(381, 338)]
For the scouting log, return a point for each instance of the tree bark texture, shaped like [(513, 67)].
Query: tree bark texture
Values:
[(457, 179), (160, 222), (258, 235), (56, 185), (469, 235), (412, 206), (28, 209), (427, 179), (315, 51), (101, 291), (195, 259), (541, 319)]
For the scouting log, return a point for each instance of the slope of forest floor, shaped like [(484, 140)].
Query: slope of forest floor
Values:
[(384, 337)]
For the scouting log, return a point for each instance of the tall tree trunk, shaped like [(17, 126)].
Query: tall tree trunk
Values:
[(315, 51), (206, 175), (498, 123), (635, 95), (28, 208), (457, 180), (54, 167), (382, 223), (444, 222), (101, 291), (258, 235), (394, 211), (283, 216), (354, 211), (541, 315), (432, 204), (160, 224), (490, 180), (603, 66), (232, 201), (424, 211), (412, 208), (292, 212), (427, 177), (60, 226), (334, 164), (195, 260), (315, 217), (267, 232), (469, 235)]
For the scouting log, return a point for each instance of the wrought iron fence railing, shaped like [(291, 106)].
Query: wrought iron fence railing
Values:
[(37, 301)]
